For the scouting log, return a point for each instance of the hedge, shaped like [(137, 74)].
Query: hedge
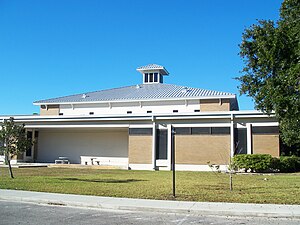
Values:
[(265, 163)]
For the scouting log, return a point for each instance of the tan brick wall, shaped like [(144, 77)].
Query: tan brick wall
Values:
[(140, 149), (50, 110), (214, 105), (199, 149), (266, 144)]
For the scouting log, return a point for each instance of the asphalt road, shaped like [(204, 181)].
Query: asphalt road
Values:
[(13, 213)]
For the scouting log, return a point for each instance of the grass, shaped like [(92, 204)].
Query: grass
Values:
[(190, 186)]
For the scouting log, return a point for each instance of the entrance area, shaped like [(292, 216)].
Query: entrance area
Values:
[(76, 144)]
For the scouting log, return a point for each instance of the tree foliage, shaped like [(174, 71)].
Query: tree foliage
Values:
[(271, 75), (13, 140)]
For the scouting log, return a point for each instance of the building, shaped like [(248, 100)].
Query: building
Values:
[(137, 127)]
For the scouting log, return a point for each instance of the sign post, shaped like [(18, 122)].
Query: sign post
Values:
[(173, 161)]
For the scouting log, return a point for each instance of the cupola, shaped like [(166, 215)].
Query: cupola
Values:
[(153, 73)]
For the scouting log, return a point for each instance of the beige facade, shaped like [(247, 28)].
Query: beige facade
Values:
[(266, 144), (214, 105), (202, 149), (140, 149), (49, 110)]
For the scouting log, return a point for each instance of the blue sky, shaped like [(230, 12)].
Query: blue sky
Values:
[(54, 48)]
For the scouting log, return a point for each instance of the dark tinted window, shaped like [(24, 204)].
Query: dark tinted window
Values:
[(150, 77), (155, 77), (140, 131), (161, 144), (146, 77), (201, 130), (265, 130), (183, 130), (220, 130)]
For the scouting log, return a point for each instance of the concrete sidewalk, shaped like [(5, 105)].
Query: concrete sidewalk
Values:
[(195, 208)]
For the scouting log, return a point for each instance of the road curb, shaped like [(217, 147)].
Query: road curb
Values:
[(194, 208)]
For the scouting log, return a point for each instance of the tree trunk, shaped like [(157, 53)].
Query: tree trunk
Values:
[(9, 166), (230, 181)]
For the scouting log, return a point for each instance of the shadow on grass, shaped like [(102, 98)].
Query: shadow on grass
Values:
[(109, 181)]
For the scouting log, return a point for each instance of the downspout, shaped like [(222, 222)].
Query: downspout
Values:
[(153, 143)]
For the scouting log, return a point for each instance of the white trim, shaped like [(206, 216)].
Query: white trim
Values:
[(203, 125), (240, 125), (199, 115), (169, 146), (140, 126), (249, 138), (140, 166), (161, 162), (154, 146), (77, 126), (162, 127)]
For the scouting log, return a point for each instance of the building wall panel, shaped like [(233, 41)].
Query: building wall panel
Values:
[(140, 149), (201, 149), (50, 110), (214, 105), (266, 144)]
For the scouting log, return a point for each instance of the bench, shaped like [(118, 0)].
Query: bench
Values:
[(62, 160), (2, 160)]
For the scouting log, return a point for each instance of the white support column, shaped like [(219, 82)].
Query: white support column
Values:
[(169, 146), (249, 138), (154, 145), (232, 147)]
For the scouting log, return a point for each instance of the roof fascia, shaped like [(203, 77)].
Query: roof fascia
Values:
[(138, 100), (143, 117)]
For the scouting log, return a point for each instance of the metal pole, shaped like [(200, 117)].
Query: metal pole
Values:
[(173, 162)]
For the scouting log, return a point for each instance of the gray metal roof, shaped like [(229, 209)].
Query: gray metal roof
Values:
[(150, 67), (155, 91)]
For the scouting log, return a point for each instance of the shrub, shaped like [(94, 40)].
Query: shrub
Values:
[(254, 163), (288, 164), (264, 162)]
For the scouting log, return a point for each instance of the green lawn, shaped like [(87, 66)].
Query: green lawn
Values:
[(190, 186)]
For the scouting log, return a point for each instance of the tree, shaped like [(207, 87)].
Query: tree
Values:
[(14, 140), (271, 75)]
